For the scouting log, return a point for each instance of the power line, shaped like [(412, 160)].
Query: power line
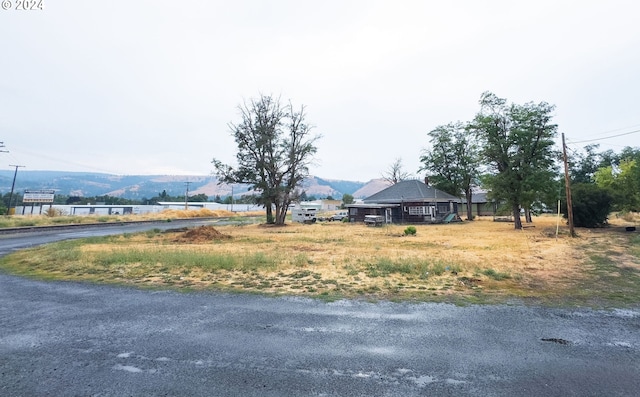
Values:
[(606, 137)]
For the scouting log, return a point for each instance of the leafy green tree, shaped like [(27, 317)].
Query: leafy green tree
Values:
[(275, 149), (60, 198), (76, 200), (591, 205), (5, 200), (196, 198), (623, 184), (517, 142), (584, 165), (453, 161), (347, 199)]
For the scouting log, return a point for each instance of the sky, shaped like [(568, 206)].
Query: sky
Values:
[(150, 87)]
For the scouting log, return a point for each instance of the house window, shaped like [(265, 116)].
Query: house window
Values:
[(420, 210)]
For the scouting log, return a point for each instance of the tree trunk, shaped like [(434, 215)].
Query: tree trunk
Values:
[(281, 215), (516, 217), (278, 221), (527, 216), (269, 212), (469, 195)]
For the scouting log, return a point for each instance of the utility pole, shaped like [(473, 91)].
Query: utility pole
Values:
[(186, 196), (567, 185), (13, 185)]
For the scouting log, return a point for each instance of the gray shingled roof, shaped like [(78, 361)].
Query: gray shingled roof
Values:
[(413, 190), (477, 198)]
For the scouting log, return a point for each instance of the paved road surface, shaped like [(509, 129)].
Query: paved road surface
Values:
[(71, 339)]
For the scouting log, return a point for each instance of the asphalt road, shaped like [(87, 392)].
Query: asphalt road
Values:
[(71, 339)]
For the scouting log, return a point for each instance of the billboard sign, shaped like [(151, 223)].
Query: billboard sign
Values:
[(38, 196)]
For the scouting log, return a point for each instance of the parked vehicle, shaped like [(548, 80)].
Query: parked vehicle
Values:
[(374, 220), (303, 215), (339, 216)]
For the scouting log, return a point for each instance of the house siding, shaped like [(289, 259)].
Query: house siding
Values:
[(409, 201)]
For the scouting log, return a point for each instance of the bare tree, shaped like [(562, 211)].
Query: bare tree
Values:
[(395, 172)]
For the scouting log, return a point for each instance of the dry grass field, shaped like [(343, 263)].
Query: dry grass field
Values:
[(57, 219), (479, 261)]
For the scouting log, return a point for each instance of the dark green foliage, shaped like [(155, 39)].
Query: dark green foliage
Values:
[(199, 198), (410, 231), (347, 199), (623, 183), (517, 143), (274, 150), (591, 205), (453, 160), (584, 165)]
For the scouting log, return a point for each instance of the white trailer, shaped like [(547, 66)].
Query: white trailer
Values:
[(304, 215)]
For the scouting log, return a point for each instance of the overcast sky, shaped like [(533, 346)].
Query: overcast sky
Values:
[(149, 87)]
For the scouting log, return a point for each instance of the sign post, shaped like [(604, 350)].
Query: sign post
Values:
[(38, 196)]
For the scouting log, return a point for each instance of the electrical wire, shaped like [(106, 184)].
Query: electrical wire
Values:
[(606, 137)]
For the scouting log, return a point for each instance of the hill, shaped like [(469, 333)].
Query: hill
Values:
[(137, 187)]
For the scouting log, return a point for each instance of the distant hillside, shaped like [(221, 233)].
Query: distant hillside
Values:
[(341, 186), (137, 187), (374, 186)]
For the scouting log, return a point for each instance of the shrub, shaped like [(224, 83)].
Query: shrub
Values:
[(53, 212), (591, 205), (410, 231)]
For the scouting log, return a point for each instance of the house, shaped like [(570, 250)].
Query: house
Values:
[(481, 205), (410, 201)]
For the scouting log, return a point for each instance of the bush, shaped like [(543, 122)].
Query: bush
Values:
[(53, 212), (591, 205), (410, 231)]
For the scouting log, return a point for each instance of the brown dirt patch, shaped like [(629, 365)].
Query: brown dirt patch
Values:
[(201, 234)]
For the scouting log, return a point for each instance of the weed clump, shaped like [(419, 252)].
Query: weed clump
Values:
[(410, 231), (498, 276)]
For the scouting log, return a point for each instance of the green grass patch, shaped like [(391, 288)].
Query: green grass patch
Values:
[(498, 276), (409, 268), (25, 223), (612, 281)]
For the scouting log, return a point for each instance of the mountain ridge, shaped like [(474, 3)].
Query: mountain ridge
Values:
[(137, 187)]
